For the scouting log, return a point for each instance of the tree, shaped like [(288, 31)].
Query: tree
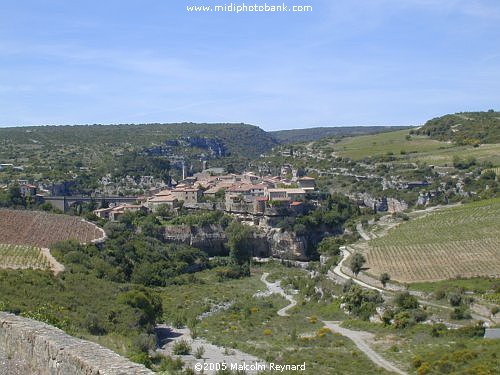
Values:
[(385, 278), (330, 246), (406, 301), (356, 263), (239, 235)]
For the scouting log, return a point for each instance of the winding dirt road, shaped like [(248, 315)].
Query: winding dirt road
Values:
[(277, 289), (358, 337)]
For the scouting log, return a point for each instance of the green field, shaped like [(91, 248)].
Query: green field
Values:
[(462, 241), (415, 148), (20, 256), (251, 324)]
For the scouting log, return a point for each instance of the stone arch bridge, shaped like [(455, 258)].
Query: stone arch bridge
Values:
[(63, 203)]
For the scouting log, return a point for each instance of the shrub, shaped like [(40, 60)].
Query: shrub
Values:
[(455, 299), (94, 324), (472, 330), (387, 316), (424, 369), (464, 355), (438, 329), (384, 278), (440, 294), (143, 343), (417, 361), (233, 271), (200, 350), (444, 367), (181, 347), (142, 358), (402, 320), (406, 301), (459, 313), (418, 315)]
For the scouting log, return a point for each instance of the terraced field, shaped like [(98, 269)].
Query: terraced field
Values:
[(20, 257), (461, 241), (43, 229), (26, 235)]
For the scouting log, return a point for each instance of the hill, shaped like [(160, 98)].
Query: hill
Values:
[(239, 139), (86, 153), (315, 134), (406, 147), (464, 128)]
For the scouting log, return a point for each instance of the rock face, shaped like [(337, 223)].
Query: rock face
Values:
[(47, 350), (286, 245), (213, 240)]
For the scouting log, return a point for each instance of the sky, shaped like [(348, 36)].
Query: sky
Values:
[(352, 62)]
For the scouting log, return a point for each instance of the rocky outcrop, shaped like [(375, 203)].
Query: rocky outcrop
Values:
[(286, 245), (213, 240), (47, 350)]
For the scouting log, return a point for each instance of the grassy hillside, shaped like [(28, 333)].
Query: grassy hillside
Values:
[(464, 128), (315, 134), (403, 145), (460, 241)]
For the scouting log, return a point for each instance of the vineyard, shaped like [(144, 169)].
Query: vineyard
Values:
[(495, 170), (42, 229), (463, 241), (19, 256)]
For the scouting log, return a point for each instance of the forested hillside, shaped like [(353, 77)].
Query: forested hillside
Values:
[(464, 128), (241, 139), (64, 153)]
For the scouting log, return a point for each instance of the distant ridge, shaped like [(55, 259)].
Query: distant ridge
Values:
[(315, 134)]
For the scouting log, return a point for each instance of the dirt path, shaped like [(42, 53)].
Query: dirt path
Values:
[(362, 233), (358, 337), (212, 354), (275, 288), (55, 266)]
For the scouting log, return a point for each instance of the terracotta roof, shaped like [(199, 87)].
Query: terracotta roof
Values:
[(288, 191), (163, 198), (164, 192), (213, 190)]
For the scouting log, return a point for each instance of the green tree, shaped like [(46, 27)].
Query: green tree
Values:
[(384, 278), (406, 301), (356, 263), (239, 236)]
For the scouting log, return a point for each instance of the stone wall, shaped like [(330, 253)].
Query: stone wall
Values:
[(47, 350)]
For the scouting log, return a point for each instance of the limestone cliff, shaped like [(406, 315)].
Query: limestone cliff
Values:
[(266, 243)]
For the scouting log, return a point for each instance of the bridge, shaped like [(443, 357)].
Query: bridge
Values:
[(63, 203)]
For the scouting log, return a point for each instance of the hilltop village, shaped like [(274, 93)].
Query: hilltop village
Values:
[(244, 194)]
